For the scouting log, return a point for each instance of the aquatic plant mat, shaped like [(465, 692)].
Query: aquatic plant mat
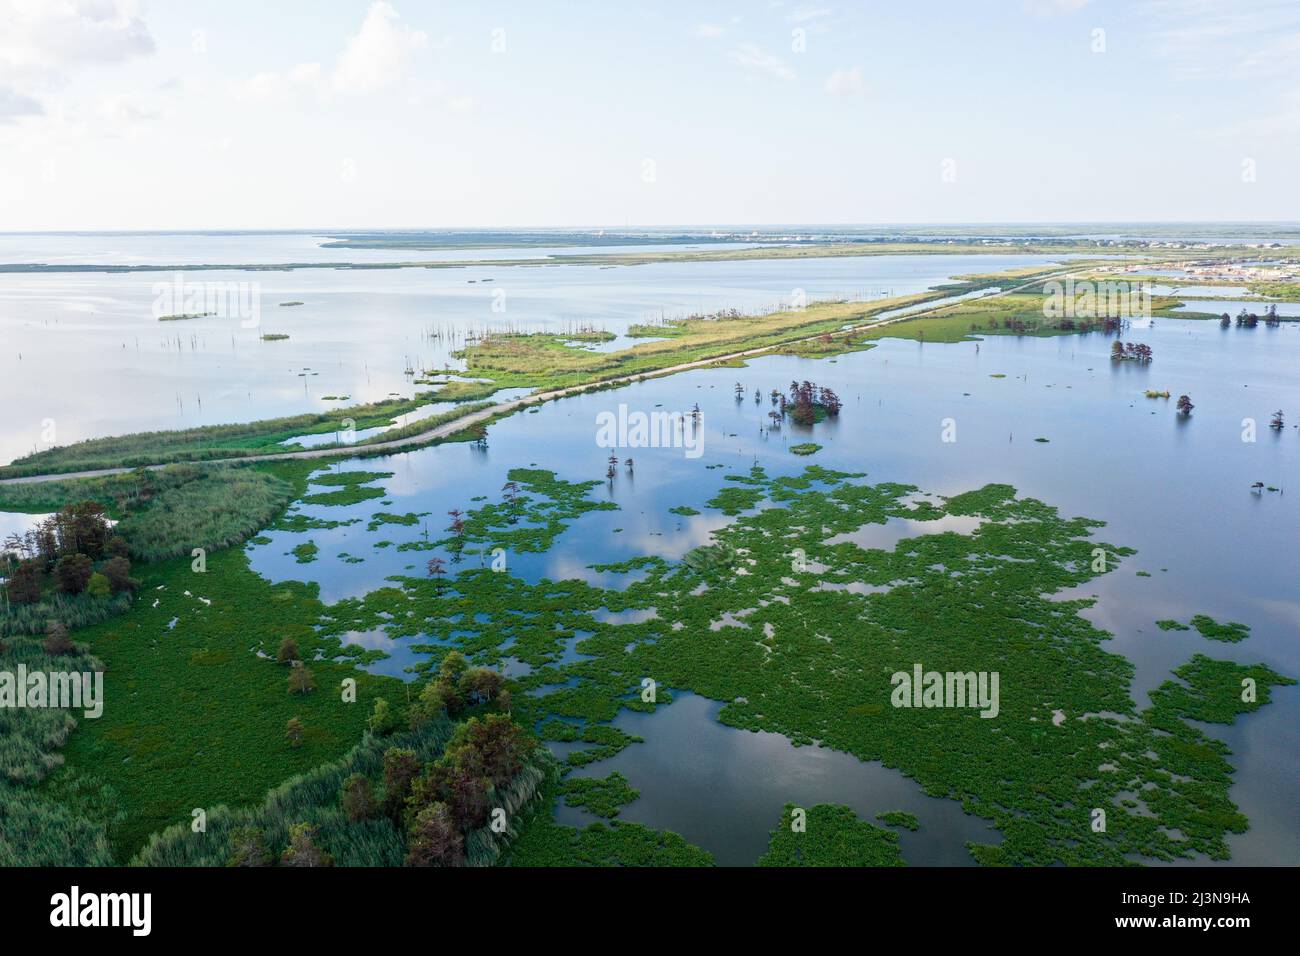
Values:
[(1069, 769)]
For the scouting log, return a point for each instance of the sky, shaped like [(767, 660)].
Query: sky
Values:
[(189, 114)]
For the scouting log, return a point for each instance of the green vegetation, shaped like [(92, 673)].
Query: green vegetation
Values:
[(460, 391), (548, 360), (218, 441), (603, 796), (184, 316), (305, 552), (805, 448), (829, 835), (362, 810), (170, 511), (899, 818), (545, 843), (66, 571), (205, 720), (800, 667), (792, 667), (351, 487), (1231, 632), (1171, 625)]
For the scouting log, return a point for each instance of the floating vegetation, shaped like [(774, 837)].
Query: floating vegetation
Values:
[(346, 479), (805, 448), (305, 552), (285, 304), (381, 518), (299, 523), (543, 842), (899, 818), (351, 488), (274, 336), (686, 511), (1152, 393), (1171, 625), (185, 316), (603, 796), (1231, 632), (345, 496), (829, 835), (974, 602)]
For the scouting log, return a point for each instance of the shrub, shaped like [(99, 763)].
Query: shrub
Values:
[(435, 840), (293, 730), (358, 798), (302, 849), (24, 583), (400, 769), (301, 680), (98, 586), (288, 652), (248, 848), (383, 721), (57, 640), (72, 573), (118, 571)]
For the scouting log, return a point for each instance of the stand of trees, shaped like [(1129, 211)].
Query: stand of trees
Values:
[(1130, 352), (804, 400), (74, 550)]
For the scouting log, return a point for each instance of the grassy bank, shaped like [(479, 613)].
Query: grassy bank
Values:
[(209, 442)]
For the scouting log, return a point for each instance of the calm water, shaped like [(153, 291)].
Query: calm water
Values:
[(356, 333), (1177, 491)]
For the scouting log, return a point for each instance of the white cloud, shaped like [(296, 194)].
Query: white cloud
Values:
[(846, 82), (754, 58), (377, 56), (42, 42), (44, 38), (709, 31)]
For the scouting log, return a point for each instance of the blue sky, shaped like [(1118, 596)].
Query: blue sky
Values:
[(187, 114)]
